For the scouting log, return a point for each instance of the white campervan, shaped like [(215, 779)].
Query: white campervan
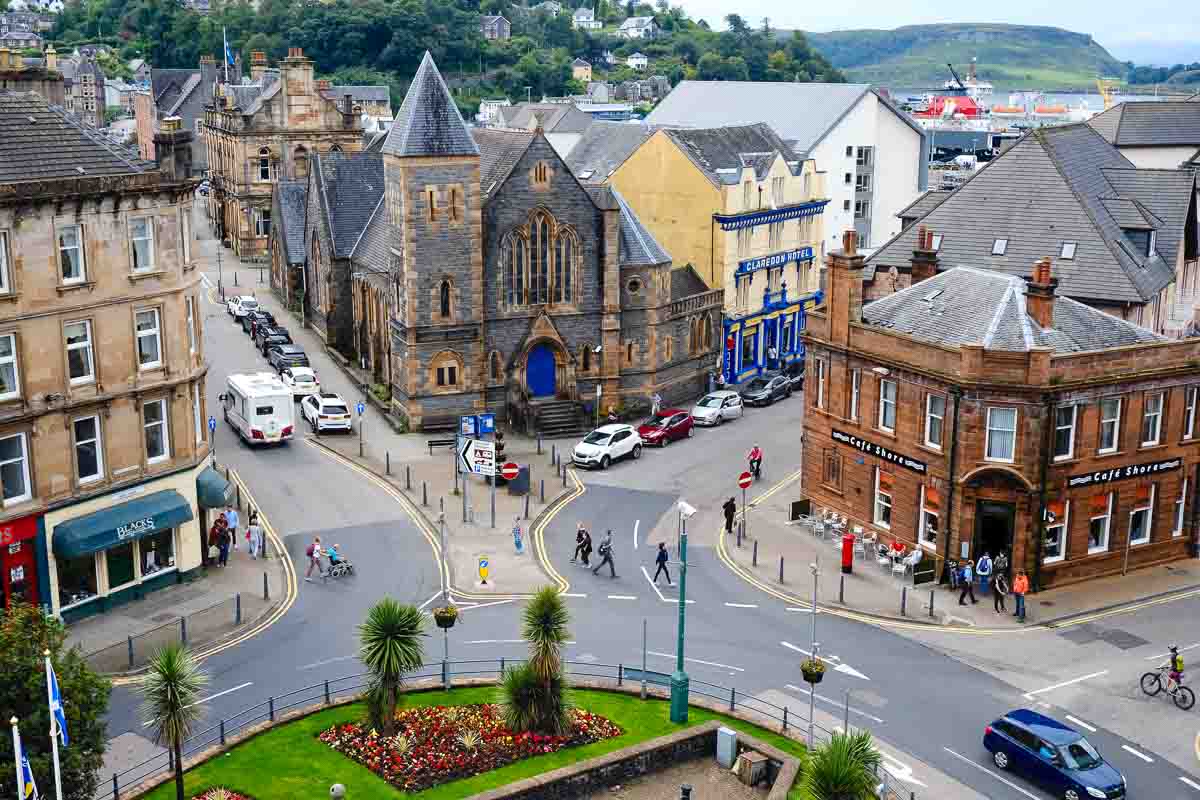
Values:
[(259, 407)]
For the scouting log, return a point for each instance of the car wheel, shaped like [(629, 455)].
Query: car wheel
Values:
[(720, 419), (1071, 794), (691, 431), (637, 450), (1000, 759), (604, 462)]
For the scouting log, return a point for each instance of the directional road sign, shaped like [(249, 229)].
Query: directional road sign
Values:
[(360, 407), (212, 424), (487, 423), (745, 479), (468, 425), (477, 456), (510, 471)]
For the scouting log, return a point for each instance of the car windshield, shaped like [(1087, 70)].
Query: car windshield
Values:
[(1080, 754), (334, 408), (709, 402), (302, 378), (757, 383), (249, 304), (657, 422), (595, 437)]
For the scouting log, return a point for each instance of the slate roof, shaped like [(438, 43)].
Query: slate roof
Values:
[(351, 185), (366, 94), (499, 152), (925, 203), (184, 93), (39, 141), (292, 199), (428, 122), (553, 117), (722, 153), (638, 246), (633, 23), (984, 307), (604, 146), (1056, 185), (373, 249), (167, 84), (1148, 123), (686, 282)]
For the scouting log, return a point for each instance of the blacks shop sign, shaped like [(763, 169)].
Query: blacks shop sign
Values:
[(879, 451), (1124, 473)]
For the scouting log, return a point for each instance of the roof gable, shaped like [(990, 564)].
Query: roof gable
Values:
[(604, 147), (291, 201), (428, 122), (1158, 124), (351, 185), (722, 153), (499, 152), (638, 245)]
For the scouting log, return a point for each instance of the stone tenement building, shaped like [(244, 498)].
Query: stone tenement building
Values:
[(508, 285), (977, 411), (268, 130), (102, 371), (16, 76)]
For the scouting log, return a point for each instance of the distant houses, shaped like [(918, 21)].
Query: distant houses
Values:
[(638, 28), (581, 70), (585, 19), (637, 61), (495, 28)]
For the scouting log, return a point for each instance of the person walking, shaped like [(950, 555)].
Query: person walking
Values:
[(580, 537), (214, 538), (984, 570), (231, 518), (772, 357), (223, 539), (655, 404), (730, 509), (968, 584), (605, 551), (999, 590), (254, 535), (314, 559), (586, 552), (1019, 589), (661, 559)]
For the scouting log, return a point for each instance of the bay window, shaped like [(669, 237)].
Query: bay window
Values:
[(154, 426), (149, 343), (141, 241)]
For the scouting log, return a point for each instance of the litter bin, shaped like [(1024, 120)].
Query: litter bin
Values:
[(847, 553), (520, 484)]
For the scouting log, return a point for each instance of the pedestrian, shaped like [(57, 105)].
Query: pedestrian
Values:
[(1000, 564), (580, 538), (518, 545), (586, 552), (214, 537), (730, 509), (999, 590), (605, 551), (231, 518), (655, 404), (968, 584), (254, 537), (772, 357), (1019, 588), (223, 540), (661, 560), (984, 570), (314, 559)]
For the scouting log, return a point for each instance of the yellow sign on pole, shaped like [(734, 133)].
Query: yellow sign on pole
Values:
[(484, 570)]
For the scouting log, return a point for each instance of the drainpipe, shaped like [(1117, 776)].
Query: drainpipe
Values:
[(1043, 468), (957, 395), (1195, 551)]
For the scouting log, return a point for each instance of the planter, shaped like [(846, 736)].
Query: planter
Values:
[(813, 671), (445, 617)]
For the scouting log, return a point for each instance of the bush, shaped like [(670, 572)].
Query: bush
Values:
[(532, 703), (843, 769)]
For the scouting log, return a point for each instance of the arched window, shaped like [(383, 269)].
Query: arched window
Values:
[(264, 164), (564, 272), (559, 258), (337, 148), (539, 259), (444, 298), (587, 358), (446, 371), (707, 339), (670, 343), (300, 161), (497, 367)]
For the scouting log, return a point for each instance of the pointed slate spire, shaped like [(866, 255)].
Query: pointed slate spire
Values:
[(428, 122)]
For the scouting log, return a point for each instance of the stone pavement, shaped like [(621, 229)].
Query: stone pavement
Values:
[(875, 590)]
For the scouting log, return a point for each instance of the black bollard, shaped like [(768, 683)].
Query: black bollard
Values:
[(424, 494), (539, 444), (755, 562), (266, 589), (842, 589), (543, 490), (527, 505), (903, 599), (388, 463), (781, 569), (408, 477), (931, 602)]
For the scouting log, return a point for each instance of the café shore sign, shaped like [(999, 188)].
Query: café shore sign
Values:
[(880, 451), (1124, 473)]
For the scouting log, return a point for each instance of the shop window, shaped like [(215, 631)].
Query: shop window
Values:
[(855, 392), (1180, 505), (10, 384), (1001, 434), (1100, 522), (157, 552), (89, 451), (1152, 419), (935, 419), (149, 341), (1110, 424), (14, 469), (1064, 432), (76, 579), (831, 473), (887, 405), (122, 569), (154, 426), (883, 498), (1140, 518), (749, 349), (819, 397), (1189, 412), (930, 508), (1055, 546)]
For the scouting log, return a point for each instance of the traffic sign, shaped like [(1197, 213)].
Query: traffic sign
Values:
[(212, 424), (487, 423), (745, 479), (510, 471), (484, 569), (467, 425), (360, 407), (477, 456)]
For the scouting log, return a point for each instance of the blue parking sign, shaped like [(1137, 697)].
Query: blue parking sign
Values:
[(467, 425), (360, 407), (212, 424), (487, 423)]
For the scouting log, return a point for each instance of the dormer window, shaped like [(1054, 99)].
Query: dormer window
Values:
[(999, 247), (1151, 248), (1068, 251), (937, 242)]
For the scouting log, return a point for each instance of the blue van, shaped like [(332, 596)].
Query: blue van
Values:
[(1057, 758)]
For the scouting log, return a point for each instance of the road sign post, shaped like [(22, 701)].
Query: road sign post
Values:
[(744, 481), (212, 439), (359, 409)]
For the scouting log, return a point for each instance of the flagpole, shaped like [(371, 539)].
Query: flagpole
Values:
[(54, 732), (225, 52), (17, 755)]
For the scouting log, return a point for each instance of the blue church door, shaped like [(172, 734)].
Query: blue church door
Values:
[(540, 372)]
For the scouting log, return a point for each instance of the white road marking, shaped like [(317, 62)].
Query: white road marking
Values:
[(1142, 756), (495, 641), (849, 670), (696, 660), (573, 594), (430, 600), (1081, 723), (998, 777), (835, 703), (208, 284), (841, 667), (742, 605), (1164, 655), (791, 646), (1190, 783), (206, 699), (1030, 695), (489, 603), (676, 600), (621, 597), (900, 770), (636, 523), (801, 610), (652, 586), (316, 664)]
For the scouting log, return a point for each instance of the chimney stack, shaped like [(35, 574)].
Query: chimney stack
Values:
[(322, 85), (843, 296), (1039, 294), (51, 59), (258, 65), (172, 149), (3, 59), (924, 257)]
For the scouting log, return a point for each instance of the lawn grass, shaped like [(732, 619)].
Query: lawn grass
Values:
[(288, 761)]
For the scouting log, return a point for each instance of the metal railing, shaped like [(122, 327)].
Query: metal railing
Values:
[(348, 686)]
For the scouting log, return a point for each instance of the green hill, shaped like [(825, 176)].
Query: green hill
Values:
[(1008, 55)]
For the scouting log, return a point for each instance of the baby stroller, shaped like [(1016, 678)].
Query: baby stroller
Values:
[(339, 565)]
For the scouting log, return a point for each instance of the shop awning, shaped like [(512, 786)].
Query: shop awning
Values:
[(212, 490), (133, 519)]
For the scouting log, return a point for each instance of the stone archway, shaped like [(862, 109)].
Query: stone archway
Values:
[(545, 366)]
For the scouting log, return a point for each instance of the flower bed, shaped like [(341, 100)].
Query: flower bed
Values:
[(438, 744), (221, 794)]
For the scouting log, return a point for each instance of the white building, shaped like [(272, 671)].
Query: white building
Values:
[(874, 156), (637, 61), (585, 19), (551, 7), (1153, 135), (489, 111), (638, 28)]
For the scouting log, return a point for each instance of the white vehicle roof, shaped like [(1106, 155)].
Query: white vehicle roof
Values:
[(247, 298), (258, 384), (301, 371), (614, 428), (721, 393)]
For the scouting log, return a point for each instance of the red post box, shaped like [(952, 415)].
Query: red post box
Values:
[(847, 553)]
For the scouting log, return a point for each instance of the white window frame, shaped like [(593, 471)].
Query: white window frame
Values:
[(196, 412), (862, 183), (28, 495), (862, 209), (86, 347), (156, 332), (1107, 517), (185, 234), (1070, 436), (999, 247), (1067, 251), (1180, 507), (745, 239), (166, 430), (258, 222), (820, 365), (885, 403), (15, 360), (1063, 525), (1147, 413), (1152, 247), (929, 419), (1115, 421), (747, 195), (878, 504), (5, 286), (855, 392), (1149, 511), (78, 231), (148, 239), (264, 163), (924, 526), (191, 323), (775, 236), (863, 157), (778, 192), (99, 443), (936, 243), (987, 445), (1189, 411)]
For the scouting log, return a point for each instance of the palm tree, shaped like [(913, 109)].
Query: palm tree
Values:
[(170, 693), (534, 694), (844, 769), (545, 628), (389, 646)]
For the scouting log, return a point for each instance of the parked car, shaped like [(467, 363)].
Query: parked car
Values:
[(716, 407), (326, 412), (254, 318), (263, 333), (286, 355), (795, 374), (302, 381), (667, 426), (239, 305), (1052, 755), (607, 444), (766, 389)]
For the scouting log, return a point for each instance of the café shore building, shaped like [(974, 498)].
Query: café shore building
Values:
[(977, 412)]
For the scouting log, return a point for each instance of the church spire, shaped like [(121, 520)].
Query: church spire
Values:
[(428, 122)]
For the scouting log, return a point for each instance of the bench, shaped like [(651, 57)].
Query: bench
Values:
[(440, 443)]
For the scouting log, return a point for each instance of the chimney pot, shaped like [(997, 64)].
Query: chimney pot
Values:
[(924, 259), (850, 242), (1039, 294), (322, 85), (258, 57)]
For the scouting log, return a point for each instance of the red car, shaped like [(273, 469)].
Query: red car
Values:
[(666, 426)]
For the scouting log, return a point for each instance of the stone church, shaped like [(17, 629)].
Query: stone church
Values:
[(507, 286)]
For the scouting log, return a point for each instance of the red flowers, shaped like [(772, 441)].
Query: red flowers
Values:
[(438, 744)]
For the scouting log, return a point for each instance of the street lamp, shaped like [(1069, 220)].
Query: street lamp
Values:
[(815, 569), (679, 678)]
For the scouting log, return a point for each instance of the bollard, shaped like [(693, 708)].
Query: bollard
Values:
[(842, 590), (408, 477), (238, 491), (424, 494), (271, 708), (183, 630), (733, 698), (116, 788), (502, 666), (554, 454), (266, 589), (931, 602), (326, 692), (543, 490), (442, 504), (527, 505), (539, 443), (235, 283), (222, 731), (131, 652), (739, 536), (237, 609), (387, 464), (781, 569), (903, 599), (445, 675), (620, 674), (564, 475), (785, 718), (755, 562)]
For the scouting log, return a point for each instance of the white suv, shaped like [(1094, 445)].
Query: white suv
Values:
[(301, 380), (326, 412), (606, 444), (239, 306)]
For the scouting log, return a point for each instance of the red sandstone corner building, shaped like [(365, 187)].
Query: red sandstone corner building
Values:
[(980, 412)]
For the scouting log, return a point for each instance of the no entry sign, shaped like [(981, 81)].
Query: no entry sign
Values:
[(744, 480), (510, 471)]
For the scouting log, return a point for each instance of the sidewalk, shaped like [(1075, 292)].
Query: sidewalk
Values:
[(873, 589)]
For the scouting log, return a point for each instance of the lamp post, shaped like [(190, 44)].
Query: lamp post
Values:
[(815, 569), (679, 678)]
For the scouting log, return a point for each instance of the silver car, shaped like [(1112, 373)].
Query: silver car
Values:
[(716, 407)]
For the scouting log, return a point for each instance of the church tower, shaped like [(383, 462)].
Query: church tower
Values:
[(431, 169)]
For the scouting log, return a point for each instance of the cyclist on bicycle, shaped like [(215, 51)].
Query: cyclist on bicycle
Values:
[(1175, 665)]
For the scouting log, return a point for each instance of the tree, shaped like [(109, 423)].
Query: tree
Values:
[(389, 646), (842, 769), (534, 694), (25, 634), (170, 696)]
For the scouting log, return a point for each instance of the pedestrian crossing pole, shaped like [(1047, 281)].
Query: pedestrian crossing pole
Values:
[(679, 678)]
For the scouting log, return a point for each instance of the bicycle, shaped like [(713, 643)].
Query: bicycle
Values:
[(1152, 684)]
